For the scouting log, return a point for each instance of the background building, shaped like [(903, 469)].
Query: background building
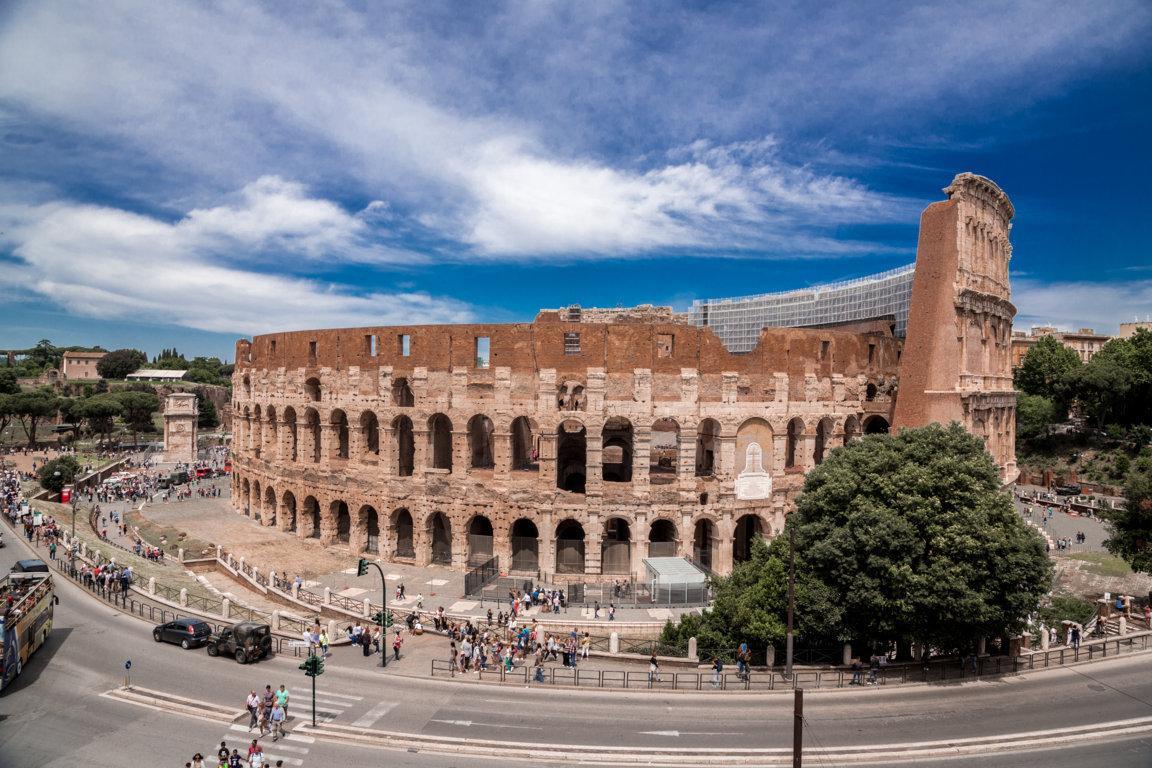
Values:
[(1085, 342), (81, 366), (1128, 330)]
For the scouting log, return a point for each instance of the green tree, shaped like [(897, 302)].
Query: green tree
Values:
[(46, 355), (170, 359), (1130, 528), (7, 411), (99, 411), (59, 472), (1045, 367), (121, 362), (32, 407), (8, 384), (1035, 414), (209, 418), (916, 541), (138, 409)]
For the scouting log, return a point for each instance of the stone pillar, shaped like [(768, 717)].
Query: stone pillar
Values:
[(846, 654), (327, 595), (152, 585), (461, 452), (686, 457), (327, 441), (726, 459), (303, 442), (594, 464), (421, 458), (692, 649), (775, 463), (725, 531), (502, 453), (546, 544), (614, 643), (593, 542), (641, 456), (184, 597), (356, 445), (225, 608)]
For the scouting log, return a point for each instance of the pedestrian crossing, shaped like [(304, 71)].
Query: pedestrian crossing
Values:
[(293, 748), (329, 704)]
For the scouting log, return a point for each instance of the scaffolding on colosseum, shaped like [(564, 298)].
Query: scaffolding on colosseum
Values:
[(737, 321)]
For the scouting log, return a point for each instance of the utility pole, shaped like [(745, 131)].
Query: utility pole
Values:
[(791, 600), (798, 729), (362, 570)]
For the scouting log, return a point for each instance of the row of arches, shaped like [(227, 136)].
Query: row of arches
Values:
[(361, 531), (617, 443)]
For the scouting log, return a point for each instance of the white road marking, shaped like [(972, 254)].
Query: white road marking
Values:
[(369, 718), (470, 723), (690, 733), (332, 694), (436, 582)]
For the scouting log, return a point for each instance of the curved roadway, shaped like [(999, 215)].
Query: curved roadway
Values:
[(54, 714)]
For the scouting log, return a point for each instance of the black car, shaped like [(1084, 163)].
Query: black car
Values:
[(30, 566), (187, 633)]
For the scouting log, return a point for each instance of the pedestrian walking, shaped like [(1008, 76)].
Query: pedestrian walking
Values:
[(399, 641), (717, 671), (278, 716), (282, 699), (253, 705), (653, 670)]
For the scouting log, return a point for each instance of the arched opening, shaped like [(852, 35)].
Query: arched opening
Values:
[(312, 390), (617, 455), (272, 434), (289, 511), (402, 393), (569, 547), (311, 436), (570, 396), (664, 455), (440, 442), (876, 425), (405, 446), (339, 510), (704, 544), (748, 528), (440, 532), (662, 540), (571, 456), (525, 451), (370, 523), (246, 420), (290, 425), (707, 447), (616, 547), (257, 500), (403, 531), (269, 515), (851, 429), (525, 546), (255, 436), (338, 421), (370, 435), (823, 437), (247, 382), (480, 431), (791, 449), (759, 432), (246, 496), (311, 520), (870, 392), (479, 540)]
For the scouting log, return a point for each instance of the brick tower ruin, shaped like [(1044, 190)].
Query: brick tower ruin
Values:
[(956, 363)]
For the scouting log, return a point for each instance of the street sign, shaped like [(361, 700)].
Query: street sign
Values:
[(128, 664)]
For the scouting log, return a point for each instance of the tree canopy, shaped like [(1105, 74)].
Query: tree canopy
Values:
[(68, 468), (121, 362), (1046, 365), (208, 418), (8, 384), (1035, 414), (31, 407), (137, 410), (1130, 528)]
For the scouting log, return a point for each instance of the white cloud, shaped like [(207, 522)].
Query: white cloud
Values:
[(108, 263), (1075, 305)]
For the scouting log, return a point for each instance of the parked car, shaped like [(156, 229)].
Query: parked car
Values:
[(246, 641), (30, 566), (187, 633)]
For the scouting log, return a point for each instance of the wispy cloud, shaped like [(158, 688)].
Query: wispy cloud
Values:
[(1074, 305)]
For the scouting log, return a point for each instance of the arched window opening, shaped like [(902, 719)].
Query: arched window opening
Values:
[(851, 429), (312, 429), (370, 434), (662, 541), (617, 455), (370, 524), (525, 449), (403, 529), (440, 442), (293, 443), (569, 547), (823, 437), (795, 433), (876, 425), (440, 532), (758, 431), (247, 382), (257, 500), (246, 497), (269, 515), (479, 540), (339, 423), (525, 546), (480, 431), (289, 511), (571, 456), (312, 390), (402, 393), (339, 510), (704, 544), (748, 529), (707, 447), (664, 452), (311, 518), (870, 392), (405, 446), (570, 396), (616, 548)]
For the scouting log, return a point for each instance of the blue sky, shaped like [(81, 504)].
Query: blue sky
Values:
[(179, 174)]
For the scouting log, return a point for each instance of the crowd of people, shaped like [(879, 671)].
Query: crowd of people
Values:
[(253, 756), (477, 648)]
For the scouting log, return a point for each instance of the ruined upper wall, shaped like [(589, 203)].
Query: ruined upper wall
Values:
[(660, 347)]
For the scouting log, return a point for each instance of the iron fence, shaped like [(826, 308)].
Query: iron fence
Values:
[(481, 576)]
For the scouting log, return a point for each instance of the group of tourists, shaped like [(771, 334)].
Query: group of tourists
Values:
[(479, 649), (225, 758)]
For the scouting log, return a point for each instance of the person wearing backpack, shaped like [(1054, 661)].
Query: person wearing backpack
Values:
[(717, 671)]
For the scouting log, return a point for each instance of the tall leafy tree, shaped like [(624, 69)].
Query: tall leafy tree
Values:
[(1130, 528), (138, 409), (32, 407), (99, 412), (915, 539), (59, 472), (46, 355), (8, 384), (209, 418), (1035, 414), (118, 363), (1045, 367)]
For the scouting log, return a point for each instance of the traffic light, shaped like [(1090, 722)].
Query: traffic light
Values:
[(387, 618), (313, 666), (362, 567)]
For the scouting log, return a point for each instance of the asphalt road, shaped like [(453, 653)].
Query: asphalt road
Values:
[(54, 714)]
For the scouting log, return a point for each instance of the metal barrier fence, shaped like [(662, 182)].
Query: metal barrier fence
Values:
[(631, 592), (479, 577)]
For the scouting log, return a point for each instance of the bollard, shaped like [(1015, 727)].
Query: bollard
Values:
[(367, 608), (982, 646), (327, 595), (272, 577), (1043, 638), (184, 596), (151, 585), (846, 655), (295, 591), (219, 551), (225, 607), (692, 649), (770, 660), (180, 554), (614, 643), (331, 630), (1123, 625), (275, 619)]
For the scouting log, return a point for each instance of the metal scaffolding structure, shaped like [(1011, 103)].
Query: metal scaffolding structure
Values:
[(738, 321)]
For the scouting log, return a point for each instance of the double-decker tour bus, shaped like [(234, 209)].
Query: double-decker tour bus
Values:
[(27, 600)]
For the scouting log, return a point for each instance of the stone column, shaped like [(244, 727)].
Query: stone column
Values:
[(593, 541), (775, 463), (420, 438), (356, 446), (389, 456), (686, 457), (725, 531), (461, 452), (594, 467), (641, 456), (502, 453), (725, 468), (303, 442)]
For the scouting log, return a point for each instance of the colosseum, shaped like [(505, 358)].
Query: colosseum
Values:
[(586, 441)]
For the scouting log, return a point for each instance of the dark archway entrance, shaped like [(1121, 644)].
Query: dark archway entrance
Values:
[(704, 544), (662, 539), (525, 546), (617, 457), (343, 521), (403, 530), (748, 529), (440, 442), (371, 522), (405, 446), (440, 532), (479, 540), (571, 456), (569, 547), (311, 518), (876, 425), (616, 549), (289, 512)]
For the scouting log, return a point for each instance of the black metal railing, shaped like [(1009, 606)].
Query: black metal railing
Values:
[(481, 576)]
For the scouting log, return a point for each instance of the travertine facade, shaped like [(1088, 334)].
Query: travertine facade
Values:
[(563, 447), (181, 415)]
